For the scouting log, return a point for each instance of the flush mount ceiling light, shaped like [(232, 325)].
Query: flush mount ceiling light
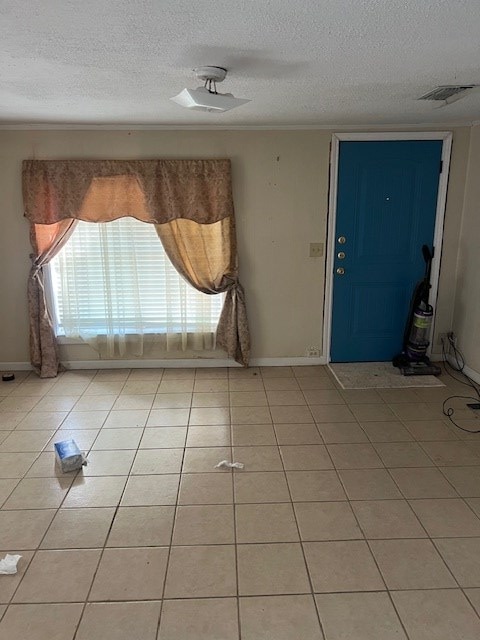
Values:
[(206, 98)]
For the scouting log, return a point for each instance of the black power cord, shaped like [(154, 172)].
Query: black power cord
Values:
[(467, 381)]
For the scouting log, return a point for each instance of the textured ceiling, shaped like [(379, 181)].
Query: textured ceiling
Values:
[(301, 62)]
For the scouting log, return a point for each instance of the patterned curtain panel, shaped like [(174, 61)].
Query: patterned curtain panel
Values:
[(189, 201)]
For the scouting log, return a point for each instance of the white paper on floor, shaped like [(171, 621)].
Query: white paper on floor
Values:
[(8, 564), (225, 464)]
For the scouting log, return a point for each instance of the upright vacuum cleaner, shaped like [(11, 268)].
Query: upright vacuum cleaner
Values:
[(413, 361)]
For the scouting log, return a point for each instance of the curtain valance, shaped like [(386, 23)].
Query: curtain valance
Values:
[(155, 191)]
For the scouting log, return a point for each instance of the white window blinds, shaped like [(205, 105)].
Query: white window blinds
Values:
[(114, 279)]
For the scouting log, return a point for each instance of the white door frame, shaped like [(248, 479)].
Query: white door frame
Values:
[(446, 137)]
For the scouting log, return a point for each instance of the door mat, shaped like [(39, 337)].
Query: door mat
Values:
[(377, 375)]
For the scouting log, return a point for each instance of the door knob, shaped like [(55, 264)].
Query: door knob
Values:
[(341, 240), (340, 271)]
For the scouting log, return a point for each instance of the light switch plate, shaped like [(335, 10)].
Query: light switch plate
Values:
[(316, 249)]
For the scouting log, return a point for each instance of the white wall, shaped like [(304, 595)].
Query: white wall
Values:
[(280, 181)]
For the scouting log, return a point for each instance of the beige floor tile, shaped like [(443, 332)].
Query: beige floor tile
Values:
[(411, 564), (362, 396), (45, 466), (79, 529), (7, 485), (297, 434), (203, 571), (154, 374), (462, 556), (206, 488), (58, 576), (430, 430), (133, 387), (211, 386), (128, 418), (209, 436), (474, 596), (172, 401), (399, 396), (270, 569), (4, 435), (253, 434), (38, 493), (389, 431), (209, 416), (102, 491), (19, 403), (307, 371), (175, 386), (247, 399), (387, 519), (315, 486), (332, 413), (84, 420), (24, 529), (341, 432), (439, 614), (130, 574), (178, 373), (106, 387), (151, 491), (368, 484), (372, 412), (247, 384), (109, 463), (259, 487), (95, 403), (204, 459), (10, 419), (8, 585), (305, 457), (16, 465), (423, 483), (258, 458), (119, 621), (276, 372), (291, 415), (204, 524), (316, 382), (157, 461), (242, 373), (250, 415), (141, 527), (163, 438), (359, 616), (354, 456), (323, 396), (134, 402), (18, 622), (416, 411), (202, 619), (26, 441), (402, 454), (211, 399), (290, 398), (168, 418), (57, 403), (451, 453), (265, 523), (474, 504), (110, 439), (342, 566), (466, 480), (326, 521), (44, 420), (280, 384), (211, 373), (279, 618), (446, 518)]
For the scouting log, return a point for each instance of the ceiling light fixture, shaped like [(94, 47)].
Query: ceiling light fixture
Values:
[(207, 98)]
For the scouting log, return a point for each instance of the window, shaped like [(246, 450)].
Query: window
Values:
[(115, 279)]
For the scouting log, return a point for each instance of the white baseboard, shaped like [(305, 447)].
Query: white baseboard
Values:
[(471, 373), (171, 363)]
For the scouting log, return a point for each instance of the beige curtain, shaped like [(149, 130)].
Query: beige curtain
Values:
[(206, 256), (191, 203), (46, 241)]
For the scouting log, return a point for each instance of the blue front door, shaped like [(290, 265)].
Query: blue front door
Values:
[(386, 209)]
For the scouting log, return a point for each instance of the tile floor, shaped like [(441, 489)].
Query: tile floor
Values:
[(357, 516)]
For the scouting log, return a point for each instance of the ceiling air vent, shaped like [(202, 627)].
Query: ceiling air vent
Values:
[(447, 93)]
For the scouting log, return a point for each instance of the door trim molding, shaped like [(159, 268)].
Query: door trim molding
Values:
[(446, 138)]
